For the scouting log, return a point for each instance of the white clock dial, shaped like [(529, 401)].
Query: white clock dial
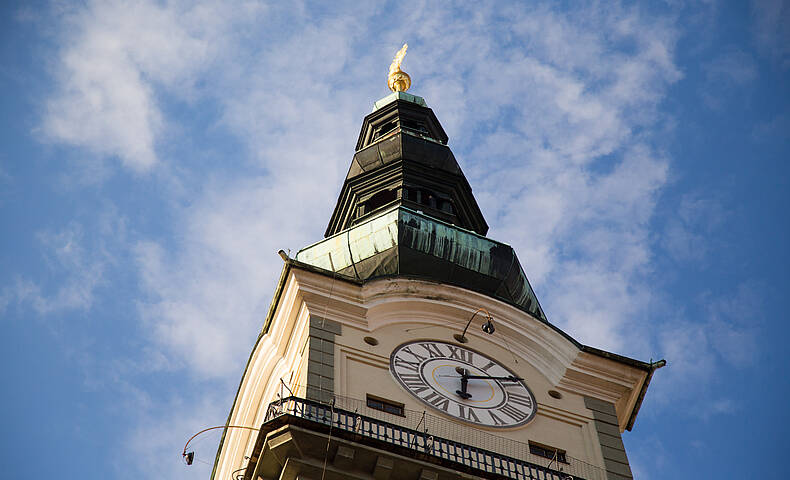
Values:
[(463, 383)]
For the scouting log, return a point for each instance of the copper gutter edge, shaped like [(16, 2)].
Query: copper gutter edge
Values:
[(648, 367), (653, 367)]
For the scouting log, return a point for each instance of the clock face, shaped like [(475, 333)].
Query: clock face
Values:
[(463, 383)]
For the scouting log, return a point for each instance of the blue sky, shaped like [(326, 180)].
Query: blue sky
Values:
[(154, 156)]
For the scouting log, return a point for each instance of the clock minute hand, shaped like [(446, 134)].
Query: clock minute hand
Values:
[(465, 377), (511, 378)]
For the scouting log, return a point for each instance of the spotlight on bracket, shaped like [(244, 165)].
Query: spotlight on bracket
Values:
[(488, 326), (189, 457)]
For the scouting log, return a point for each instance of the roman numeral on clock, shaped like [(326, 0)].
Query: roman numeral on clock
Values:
[(414, 382), (413, 366), (497, 421), (437, 400), (489, 365), (468, 413), (418, 357), (432, 350), (512, 412), (457, 353), (519, 399)]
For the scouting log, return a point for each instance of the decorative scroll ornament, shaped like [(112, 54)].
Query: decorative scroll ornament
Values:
[(398, 80)]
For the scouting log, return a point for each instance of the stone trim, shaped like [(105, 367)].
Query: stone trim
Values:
[(321, 359), (614, 457)]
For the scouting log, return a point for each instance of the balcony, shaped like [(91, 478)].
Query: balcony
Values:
[(415, 435)]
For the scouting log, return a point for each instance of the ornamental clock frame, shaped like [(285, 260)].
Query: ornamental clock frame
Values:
[(463, 383)]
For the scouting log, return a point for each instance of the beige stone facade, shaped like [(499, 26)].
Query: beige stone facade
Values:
[(329, 339)]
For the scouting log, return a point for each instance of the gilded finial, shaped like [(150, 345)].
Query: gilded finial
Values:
[(398, 80)]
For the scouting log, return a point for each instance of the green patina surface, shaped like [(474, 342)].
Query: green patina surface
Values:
[(365, 240), (399, 96), (400, 241)]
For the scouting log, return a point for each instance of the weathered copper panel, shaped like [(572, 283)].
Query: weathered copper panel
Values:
[(404, 242)]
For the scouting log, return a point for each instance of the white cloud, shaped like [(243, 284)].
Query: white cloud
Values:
[(115, 58), (209, 298), (78, 260), (161, 433), (723, 338), (733, 66), (74, 275), (569, 183), (771, 26), (776, 129), (727, 77), (691, 226)]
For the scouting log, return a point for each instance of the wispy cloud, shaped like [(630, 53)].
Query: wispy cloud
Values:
[(207, 300), (75, 274), (690, 228), (775, 130), (116, 62), (728, 76), (771, 27), (568, 176), (724, 337), (161, 432)]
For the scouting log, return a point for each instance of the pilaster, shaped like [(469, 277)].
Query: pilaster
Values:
[(614, 457), (321, 359)]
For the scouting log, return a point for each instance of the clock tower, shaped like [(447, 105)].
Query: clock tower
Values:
[(408, 345)]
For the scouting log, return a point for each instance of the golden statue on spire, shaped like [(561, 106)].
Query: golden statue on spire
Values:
[(398, 80)]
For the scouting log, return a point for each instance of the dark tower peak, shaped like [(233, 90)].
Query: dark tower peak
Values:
[(400, 111), (402, 158)]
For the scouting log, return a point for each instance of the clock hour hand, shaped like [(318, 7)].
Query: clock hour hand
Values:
[(462, 392)]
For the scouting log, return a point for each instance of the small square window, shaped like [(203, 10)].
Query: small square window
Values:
[(388, 406), (546, 451)]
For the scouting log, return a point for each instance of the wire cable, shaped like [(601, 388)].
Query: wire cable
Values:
[(329, 438), (507, 345)]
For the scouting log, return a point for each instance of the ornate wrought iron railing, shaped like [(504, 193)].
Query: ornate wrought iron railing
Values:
[(424, 441)]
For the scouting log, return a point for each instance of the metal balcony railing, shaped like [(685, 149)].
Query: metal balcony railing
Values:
[(437, 437)]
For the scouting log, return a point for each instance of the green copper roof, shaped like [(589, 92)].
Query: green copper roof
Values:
[(399, 96), (403, 242)]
